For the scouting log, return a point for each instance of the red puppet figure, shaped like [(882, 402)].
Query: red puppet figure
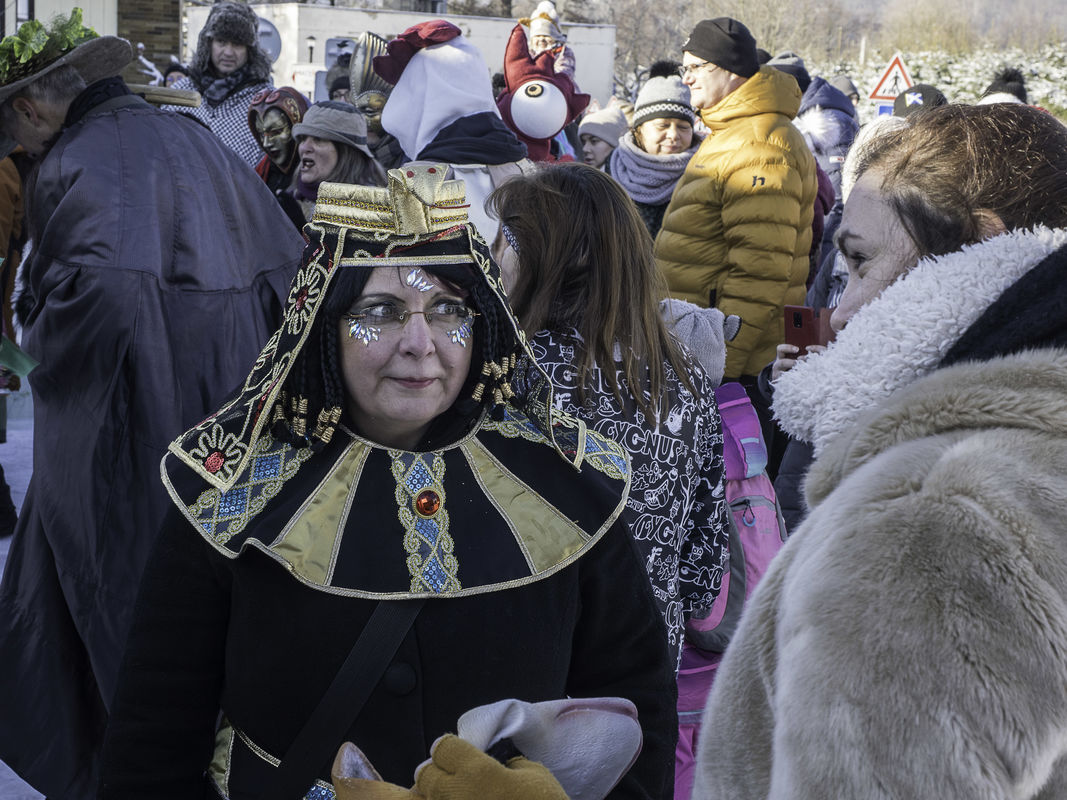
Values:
[(538, 101)]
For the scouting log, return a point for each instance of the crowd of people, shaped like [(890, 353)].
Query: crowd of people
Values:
[(377, 447)]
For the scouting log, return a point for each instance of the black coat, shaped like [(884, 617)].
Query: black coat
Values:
[(159, 269), (252, 612)]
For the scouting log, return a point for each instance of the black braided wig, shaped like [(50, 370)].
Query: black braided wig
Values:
[(316, 375)]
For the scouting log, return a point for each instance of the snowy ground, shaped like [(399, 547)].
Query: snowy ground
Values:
[(16, 456), (963, 78)]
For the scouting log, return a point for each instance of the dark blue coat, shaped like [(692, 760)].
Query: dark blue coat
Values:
[(828, 121), (159, 268)]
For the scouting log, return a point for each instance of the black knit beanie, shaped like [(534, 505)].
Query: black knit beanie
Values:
[(916, 98), (1008, 81), (726, 43)]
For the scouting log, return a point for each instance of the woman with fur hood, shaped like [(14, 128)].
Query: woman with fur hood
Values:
[(829, 123), (229, 70), (910, 640)]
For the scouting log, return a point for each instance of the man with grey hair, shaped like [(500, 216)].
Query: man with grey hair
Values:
[(158, 269)]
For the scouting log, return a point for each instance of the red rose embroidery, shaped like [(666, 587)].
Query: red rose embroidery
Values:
[(214, 462)]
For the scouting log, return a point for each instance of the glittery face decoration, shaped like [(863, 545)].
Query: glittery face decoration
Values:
[(461, 334), (358, 329), (417, 280)]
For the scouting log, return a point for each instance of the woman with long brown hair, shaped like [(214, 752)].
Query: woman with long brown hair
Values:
[(586, 291)]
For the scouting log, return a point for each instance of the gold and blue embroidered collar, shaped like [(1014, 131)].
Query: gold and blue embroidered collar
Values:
[(496, 510)]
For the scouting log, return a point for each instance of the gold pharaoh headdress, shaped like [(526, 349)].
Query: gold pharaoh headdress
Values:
[(420, 218)]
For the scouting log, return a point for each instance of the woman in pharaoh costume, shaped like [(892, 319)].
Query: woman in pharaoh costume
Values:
[(379, 461)]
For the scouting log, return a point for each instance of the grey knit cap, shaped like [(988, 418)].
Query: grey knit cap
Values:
[(663, 98), (792, 64), (845, 84), (335, 122)]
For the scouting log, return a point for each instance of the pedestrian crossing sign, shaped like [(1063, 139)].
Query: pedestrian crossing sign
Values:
[(894, 80)]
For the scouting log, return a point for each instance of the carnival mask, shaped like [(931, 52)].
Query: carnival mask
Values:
[(370, 105), (271, 116), (274, 132)]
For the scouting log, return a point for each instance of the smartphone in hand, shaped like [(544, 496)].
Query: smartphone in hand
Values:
[(805, 326)]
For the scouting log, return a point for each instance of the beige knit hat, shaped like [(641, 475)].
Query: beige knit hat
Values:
[(545, 22), (608, 124)]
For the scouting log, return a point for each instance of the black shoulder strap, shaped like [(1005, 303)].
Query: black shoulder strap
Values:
[(315, 746)]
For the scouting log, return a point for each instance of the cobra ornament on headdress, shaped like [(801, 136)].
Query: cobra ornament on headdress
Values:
[(539, 101), (419, 219)]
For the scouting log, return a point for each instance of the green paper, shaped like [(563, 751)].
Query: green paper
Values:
[(15, 358)]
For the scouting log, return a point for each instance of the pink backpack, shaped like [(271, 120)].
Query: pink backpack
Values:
[(757, 533)]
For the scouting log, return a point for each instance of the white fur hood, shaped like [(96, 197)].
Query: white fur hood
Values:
[(903, 334)]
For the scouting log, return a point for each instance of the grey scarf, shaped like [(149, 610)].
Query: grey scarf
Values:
[(647, 178)]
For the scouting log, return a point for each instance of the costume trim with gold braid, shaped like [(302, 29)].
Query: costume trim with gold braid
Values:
[(308, 543), (419, 206)]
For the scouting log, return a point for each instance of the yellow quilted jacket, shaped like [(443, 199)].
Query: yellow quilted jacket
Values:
[(737, 231)]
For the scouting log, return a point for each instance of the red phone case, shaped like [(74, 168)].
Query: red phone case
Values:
[(804, 326)]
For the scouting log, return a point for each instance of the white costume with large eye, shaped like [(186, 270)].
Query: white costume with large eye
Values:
[(539, 109)]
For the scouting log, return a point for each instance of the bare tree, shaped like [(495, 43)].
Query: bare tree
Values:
[(820, 31), (642, 37), (645, 32)]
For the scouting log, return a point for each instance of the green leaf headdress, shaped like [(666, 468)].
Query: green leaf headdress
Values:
[(36, 50)]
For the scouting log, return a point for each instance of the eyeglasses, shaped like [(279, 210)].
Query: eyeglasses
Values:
[(688, 69), (449, 318)]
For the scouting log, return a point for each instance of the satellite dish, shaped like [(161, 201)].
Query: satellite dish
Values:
[(336, 48), (270, 41)]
